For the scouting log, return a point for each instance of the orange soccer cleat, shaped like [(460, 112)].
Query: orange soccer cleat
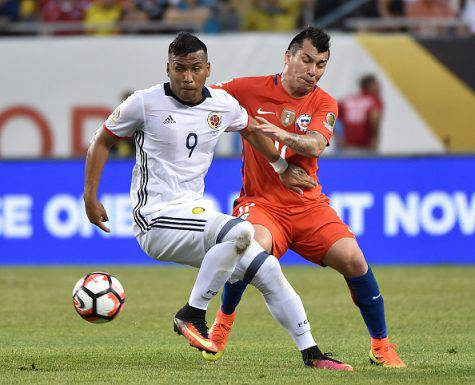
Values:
[(219, 333), (196, 333), (383, 353), (190, 322)]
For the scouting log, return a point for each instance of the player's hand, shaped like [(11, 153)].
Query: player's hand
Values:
[(296, 179), (268, 129), (96, 213)]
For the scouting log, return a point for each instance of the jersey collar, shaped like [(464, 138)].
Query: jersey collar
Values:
[(169, 92)]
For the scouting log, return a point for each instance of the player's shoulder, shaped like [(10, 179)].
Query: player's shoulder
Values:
[(323, 95), (266, 80), (323, 99), (157, 89), (220, 95), (247, 81), (221, 100)]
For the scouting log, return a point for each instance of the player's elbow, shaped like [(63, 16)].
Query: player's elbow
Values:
[(314, 151)]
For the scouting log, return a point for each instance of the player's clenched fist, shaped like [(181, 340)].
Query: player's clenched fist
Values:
[(96, 213)]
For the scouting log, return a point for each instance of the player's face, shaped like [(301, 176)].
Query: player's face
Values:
[(305, 68), (188, 75)]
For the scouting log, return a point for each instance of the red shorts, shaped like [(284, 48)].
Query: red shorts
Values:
[(308, 230)]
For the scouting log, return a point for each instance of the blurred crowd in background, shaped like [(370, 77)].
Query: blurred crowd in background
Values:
[(64, 17)]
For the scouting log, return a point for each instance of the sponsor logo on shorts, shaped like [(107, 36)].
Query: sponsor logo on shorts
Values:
[(198, 210), (244, 211), (287, 117), (303, 122)]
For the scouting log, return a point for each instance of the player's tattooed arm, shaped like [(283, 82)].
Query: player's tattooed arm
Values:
[(312, 144)]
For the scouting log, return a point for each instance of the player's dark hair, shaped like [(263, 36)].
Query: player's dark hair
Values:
[(186, 43), (318, 37), (366, 81)]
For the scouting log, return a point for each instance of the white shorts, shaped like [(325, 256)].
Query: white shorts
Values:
[(183, 233)]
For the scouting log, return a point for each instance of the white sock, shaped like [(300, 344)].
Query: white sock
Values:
[(282, 301), (216, 268)]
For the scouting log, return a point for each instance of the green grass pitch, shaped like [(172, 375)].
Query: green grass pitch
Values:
[(430, 312)]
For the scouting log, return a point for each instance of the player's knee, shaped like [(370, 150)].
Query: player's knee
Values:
[(353, 263), (242, 234)]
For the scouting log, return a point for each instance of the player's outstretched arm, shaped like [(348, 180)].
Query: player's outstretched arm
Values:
[(96, 158), (312, 144)]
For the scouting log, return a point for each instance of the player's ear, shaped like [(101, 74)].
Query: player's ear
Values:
[(287, 56), (208, 69), (168, 69)]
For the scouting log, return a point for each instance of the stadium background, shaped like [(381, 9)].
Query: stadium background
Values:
[(65, 64), (411, 201)]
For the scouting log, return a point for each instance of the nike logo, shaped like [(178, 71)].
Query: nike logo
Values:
[(260, 111), (202, 341), (375, 298)]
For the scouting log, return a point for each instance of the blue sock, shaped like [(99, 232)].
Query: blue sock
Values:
[(232, 293), (366, 296)]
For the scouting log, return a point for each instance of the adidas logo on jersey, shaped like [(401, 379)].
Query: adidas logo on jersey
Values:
[(169, 120)]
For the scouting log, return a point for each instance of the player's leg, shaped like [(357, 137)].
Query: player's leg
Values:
[(330, 242), (232, 292), (183, 234), (346, 257), (219, 262), (264, 225), (263, 271)]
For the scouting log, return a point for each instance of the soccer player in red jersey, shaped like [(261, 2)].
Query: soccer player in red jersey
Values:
[(361, 115), (299, 117)]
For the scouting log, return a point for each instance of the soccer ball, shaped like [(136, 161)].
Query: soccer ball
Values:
[(98, 297)]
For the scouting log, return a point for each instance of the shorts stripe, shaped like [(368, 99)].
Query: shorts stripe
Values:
[(179, 219), (178, 223), (255, 266), (226, 228), (157, 225)]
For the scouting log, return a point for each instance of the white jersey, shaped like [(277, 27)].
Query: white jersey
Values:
[(175, 144)]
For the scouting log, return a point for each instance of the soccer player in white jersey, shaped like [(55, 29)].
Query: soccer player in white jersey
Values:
[(176, 127)]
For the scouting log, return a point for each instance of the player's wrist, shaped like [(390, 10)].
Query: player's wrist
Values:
[(280, 165)]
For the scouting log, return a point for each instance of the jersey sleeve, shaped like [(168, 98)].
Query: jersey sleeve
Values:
[(127, 118), (324, 117), (239, 118)]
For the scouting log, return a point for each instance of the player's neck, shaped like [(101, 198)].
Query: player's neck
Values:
[(292, 91), (198, 99)]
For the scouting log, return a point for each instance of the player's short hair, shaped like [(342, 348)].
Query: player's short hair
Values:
[(185, 43), (367, 80), (318, 37)]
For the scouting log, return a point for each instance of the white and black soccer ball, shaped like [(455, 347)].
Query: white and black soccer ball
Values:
[(98, 297)]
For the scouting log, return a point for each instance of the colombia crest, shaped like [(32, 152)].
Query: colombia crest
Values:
[(214, 120)]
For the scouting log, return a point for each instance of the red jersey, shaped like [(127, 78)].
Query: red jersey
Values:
[(64, 10), (266, 97), (354, 113)]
